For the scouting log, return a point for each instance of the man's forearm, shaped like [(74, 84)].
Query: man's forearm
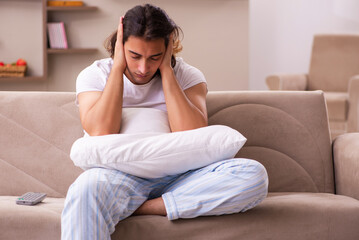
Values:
[(105, 116), (182, 114)]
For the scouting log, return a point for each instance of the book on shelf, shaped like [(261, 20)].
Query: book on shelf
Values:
[(57, 35), (65, 3)]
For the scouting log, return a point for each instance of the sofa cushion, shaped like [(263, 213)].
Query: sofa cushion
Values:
[(287, 132), (294, 216), (37, 131), (337, 104), (39, 222)]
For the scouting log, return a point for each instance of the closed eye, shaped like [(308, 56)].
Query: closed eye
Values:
[(155, 58), (135, 55)]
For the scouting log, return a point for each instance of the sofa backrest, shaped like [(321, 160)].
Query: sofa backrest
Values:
[(287, 132), (334, 61), (37, 132)]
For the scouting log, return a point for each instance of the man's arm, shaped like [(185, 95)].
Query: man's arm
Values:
[(101, 112), (186, 109)]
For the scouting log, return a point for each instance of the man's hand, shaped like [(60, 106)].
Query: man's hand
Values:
[(119, 59), (166, 61)]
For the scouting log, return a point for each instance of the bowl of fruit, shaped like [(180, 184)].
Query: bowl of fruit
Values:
[(15, 69)]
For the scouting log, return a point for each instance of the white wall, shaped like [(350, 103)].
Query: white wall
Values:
[(215, 40), (281, 33)]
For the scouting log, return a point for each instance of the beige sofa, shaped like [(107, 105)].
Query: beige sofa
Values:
[(313, 193), (334, 68)]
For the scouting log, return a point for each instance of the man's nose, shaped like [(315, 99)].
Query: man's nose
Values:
[(143, 67)]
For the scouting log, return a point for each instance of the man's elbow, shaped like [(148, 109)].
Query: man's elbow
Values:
[(99, 129), (99, 133)]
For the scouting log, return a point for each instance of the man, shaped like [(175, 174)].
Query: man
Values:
[(143, 72)]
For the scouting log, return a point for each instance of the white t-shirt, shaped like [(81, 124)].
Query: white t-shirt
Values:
[(150, 95)]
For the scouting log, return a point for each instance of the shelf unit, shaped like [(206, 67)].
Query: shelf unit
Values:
[(46, 51), (33, 78), (70, 9), (51, 9), (23, 79), (71, 50), (83, 8)]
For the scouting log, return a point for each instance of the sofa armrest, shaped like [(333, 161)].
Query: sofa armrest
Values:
[(346, 164), (353, 112), (295, 82)]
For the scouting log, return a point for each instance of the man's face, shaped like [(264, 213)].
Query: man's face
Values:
[(143, 58)]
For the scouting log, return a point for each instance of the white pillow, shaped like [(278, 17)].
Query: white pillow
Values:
[(151, 152), (140, 120)]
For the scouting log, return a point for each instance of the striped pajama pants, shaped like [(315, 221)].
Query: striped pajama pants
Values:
[(100, 198)]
